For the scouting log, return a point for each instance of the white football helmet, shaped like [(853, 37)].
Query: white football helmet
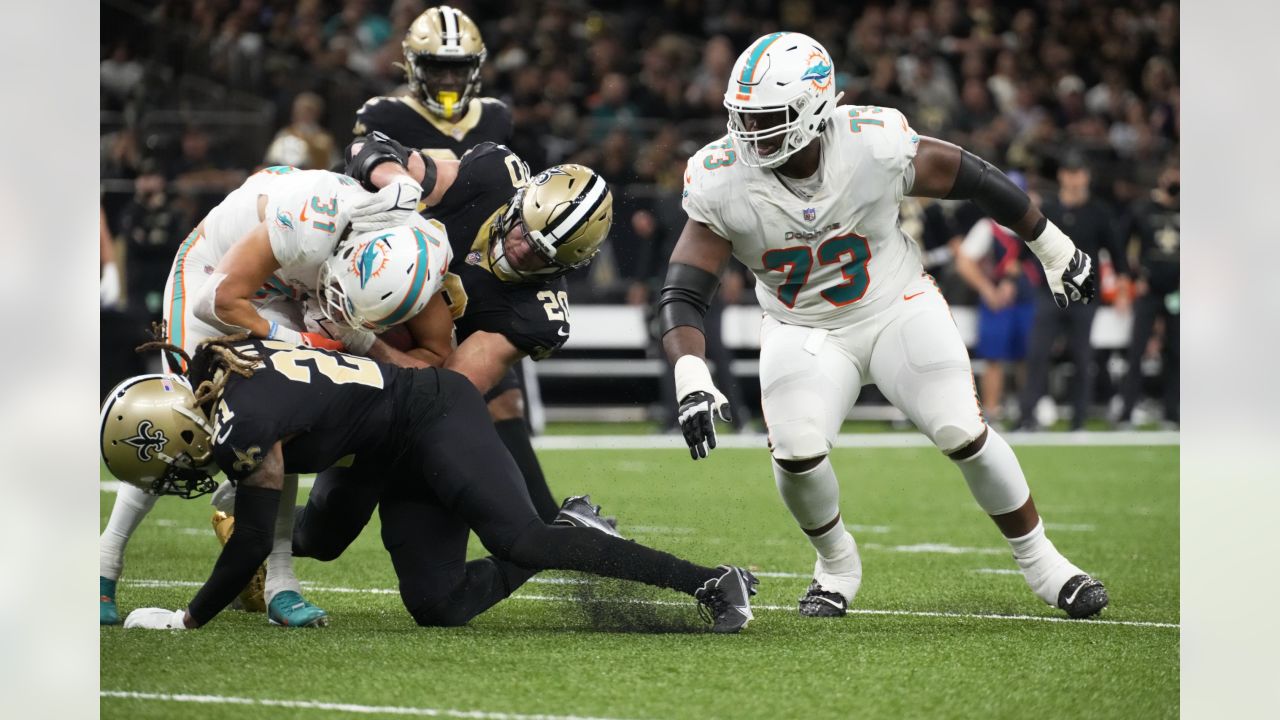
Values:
[(382, 278), (786, 73)]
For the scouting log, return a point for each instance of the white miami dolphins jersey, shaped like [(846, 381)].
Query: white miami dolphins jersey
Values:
[(306, 212), (837, 257)]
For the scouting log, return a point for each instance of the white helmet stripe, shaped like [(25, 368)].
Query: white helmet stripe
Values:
[(591, 199), (450, 17)]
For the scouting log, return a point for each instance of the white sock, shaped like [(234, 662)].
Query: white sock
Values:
[(132, 505), (1045, 569), (280, 575), (813, 497), (224, 498), (839, 566), (994, 476)]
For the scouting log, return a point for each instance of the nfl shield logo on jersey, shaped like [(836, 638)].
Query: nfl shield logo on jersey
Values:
[(810, 214)]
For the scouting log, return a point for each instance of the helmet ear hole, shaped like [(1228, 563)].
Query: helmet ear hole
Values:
[(188, 437)]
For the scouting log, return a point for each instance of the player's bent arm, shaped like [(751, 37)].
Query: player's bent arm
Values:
[(943, 170), (972, 274), (432, 334), (385, 164), (225, 300), (484, 357), (699, 258), (257, 501)]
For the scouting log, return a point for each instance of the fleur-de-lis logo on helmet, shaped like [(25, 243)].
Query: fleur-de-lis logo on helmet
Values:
[(146, 440)]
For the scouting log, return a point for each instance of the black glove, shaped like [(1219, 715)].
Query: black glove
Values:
[(1077, 281), (697, 423)]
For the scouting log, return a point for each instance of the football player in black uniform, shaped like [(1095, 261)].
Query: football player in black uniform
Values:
[(513, 238), (444, 117), (443, 113), (263, 408)]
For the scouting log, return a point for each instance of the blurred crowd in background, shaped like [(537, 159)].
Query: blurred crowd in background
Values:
[(1079, 99)]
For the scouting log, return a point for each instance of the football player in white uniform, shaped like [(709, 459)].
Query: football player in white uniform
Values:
[(805, 192), (266, 249)]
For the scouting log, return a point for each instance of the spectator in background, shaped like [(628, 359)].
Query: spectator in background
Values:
[(304, 143), (998, 266), (1089, 223), (152, 225), (1157, 226)]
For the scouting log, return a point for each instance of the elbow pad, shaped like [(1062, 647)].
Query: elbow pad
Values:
[(989, 189), (686, 295), (377, 148)]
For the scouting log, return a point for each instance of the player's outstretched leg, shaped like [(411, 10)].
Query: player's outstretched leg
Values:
[(131, 506), (921, 365), (996, 480)]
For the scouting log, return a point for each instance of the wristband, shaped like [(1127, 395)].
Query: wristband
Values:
[(692, 375), (284, 334), (1052, 246)]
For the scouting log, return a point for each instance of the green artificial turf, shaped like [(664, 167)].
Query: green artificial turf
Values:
[(925, 548)]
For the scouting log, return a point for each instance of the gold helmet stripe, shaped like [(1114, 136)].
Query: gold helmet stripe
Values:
[(582, 212)]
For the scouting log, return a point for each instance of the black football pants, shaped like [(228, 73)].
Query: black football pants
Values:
[(454, 477)]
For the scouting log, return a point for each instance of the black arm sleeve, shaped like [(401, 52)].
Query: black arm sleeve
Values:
[(376, 149), (248, 547), (686, 295), (989, 189)]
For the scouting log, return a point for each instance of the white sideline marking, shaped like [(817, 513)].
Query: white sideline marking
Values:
[(1070, 527), (938, 548), (335, 707), (852, 440), (856, 611), (998, 571), (1155, 438)]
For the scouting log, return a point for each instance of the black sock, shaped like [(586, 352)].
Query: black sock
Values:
[(515, 435), (557, 547)]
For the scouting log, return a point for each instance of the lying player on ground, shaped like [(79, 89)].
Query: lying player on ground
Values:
[(806, 194), (248, 265), (279, 408)]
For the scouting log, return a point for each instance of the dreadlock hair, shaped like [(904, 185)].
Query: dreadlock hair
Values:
[(214, 361)]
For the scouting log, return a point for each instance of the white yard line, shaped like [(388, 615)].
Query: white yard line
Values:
[(851, 440), (564, 598), (334, 707)]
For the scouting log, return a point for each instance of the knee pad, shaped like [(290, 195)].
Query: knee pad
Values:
[(951, 435), (797, 440)]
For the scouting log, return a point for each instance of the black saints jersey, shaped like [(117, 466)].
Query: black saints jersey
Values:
[(1159, 230), (533, 316), (408, 122), (329, 405)]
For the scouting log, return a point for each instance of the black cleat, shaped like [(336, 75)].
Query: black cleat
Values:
[(1082, 597), (725, 600), (822, 603), (579, 512)]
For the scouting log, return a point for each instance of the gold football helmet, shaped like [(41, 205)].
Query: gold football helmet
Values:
[(556, 223), (443, 53), (154, 438)]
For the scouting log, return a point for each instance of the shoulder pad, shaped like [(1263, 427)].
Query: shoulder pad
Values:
[(883, 131)]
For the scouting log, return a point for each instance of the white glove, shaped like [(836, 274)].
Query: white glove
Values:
[(354, 342), (700, 402), (156, 619), (392, 206), (109, 288)]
